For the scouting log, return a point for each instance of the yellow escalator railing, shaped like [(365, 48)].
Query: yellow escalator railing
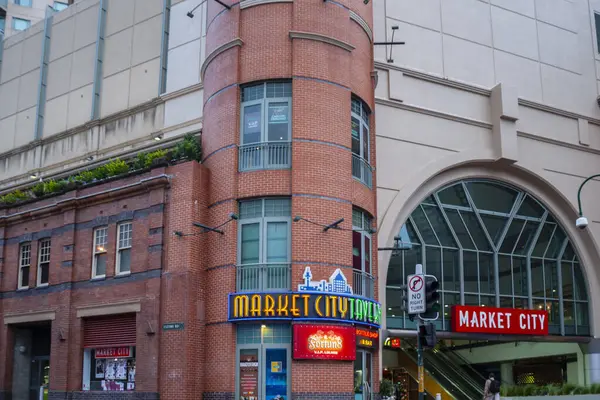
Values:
[(431, 385)]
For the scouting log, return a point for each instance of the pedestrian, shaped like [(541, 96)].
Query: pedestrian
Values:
[(491, 390)]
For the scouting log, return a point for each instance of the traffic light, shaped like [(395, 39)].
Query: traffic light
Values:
[(404, 301), (432, 297), (427, 335)]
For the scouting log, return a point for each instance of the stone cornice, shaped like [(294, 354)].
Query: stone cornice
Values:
[(321, 38), (215, 53), (251, 3), (363, 24)]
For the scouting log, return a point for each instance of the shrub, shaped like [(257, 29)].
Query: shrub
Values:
[(155, 155), (85, 177), (100, 172), (53, 186), (189, 148), (567, 388), (14, 197), (386, 388), (595, 388), (38, 189), (140, 161), (581, 390), (116, 167)]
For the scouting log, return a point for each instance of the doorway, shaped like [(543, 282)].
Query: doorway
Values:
[(39, 378), (363, 380), (31, 361)]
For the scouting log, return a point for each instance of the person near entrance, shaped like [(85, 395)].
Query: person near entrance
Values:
[(491, 390)]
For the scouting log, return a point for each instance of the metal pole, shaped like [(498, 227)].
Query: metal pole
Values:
[(579, 192), (421, 373)]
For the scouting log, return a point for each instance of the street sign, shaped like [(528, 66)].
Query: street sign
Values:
[(416, 294)]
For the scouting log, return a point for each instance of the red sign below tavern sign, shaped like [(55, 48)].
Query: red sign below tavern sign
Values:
[(505, 321)]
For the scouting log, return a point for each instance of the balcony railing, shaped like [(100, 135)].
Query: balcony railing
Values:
[(263, 277), (267, 155), (363, 284), (362, 171)]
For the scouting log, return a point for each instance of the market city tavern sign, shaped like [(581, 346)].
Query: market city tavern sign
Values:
[(331, 300), (505, 321)]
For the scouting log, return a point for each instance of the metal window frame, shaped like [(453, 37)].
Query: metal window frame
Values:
[(43, 244), (363, 125), (22, 247), (96, 253), (99, 63), (121, 248)]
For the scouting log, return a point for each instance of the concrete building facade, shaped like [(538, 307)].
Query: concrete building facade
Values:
[(18, 15)]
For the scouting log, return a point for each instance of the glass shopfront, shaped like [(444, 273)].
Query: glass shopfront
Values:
[(363, 379), (263, 362)]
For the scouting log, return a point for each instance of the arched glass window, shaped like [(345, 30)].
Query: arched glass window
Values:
[(490, 244)]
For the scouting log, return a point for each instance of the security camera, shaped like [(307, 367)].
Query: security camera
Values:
[(581, 222)]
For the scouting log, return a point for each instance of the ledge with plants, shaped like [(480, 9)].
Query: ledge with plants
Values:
[(188, 149), (533, 392)]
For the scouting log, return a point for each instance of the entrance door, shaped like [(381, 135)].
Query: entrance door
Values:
[(39, 378), (264, 372), (363, 381)]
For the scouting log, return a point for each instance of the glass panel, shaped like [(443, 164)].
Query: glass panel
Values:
[(125, 260), (471, 300), (526, 239), (393, 298), (556, 244), (486, 273), (278, 121), (537, 281), (278, 208), (512, 235), (433, 261), (521, 303), (459, 229), (252, 124), (530, 208), (101, 264), (494, 225), (506, 302), (19, 24), (475, 230), (277, 242), (505, 275), (451, 279), (248, 373), (45, 270), (358, 376), (357, 218), (439, 225), (454, 196), (553, 317), (448, 300), (356, 251), (251, 209), (580, 286), (583, 318), (423, 226), (276, 374), (403, 240), (279, 89), (569, 253), (569, 317), (488, 301), (248, 334), (551, 280), (250, 93), (520, 276), (470, 271), (410, 232), (412, 257), (250, 244), (567, 280), (58, 6), (365, 143), (367, 254), (395, 274), (355, 126), (492, 197), (429, 200), (24, 276), (543, 240)]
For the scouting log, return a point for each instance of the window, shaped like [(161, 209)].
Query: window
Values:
[(265, 126), (59, 6), (361, 168), (43, 262), (19, 24), (264, 244), (2, 25), (23, 3), (597, 20), (124, 234), (363, 281), (99, 261), (24, 264)]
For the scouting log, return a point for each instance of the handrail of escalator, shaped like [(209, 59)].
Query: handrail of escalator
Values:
[(466, 378), (467, 363), (472, 380), (444, 374)]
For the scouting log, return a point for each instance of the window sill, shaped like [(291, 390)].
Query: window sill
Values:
[(23, 289), (98, 278), (43, 286), (122, 275)]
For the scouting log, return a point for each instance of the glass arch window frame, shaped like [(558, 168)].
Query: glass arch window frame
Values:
[(464, 229)]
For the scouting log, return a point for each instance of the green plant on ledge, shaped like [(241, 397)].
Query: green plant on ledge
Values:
[(14, 197), (566, 389), (189, 148)]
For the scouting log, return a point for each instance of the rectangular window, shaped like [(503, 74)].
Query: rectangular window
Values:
[(361, 156), (19, 24), (597, 20), (361, 254), (43, 262), (59, 6), (24, 3), (99, 260), (264, 245), (124, 235), (2, 24), (24, 265)]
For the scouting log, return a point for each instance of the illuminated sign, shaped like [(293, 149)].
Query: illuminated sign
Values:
[(472, 319), (337, 283), (367, 338), (113, 352), (324, 342), (392, 343), (304, 306)]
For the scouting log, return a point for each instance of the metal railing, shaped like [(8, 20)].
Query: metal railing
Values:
[(363, 284), (267, 155), (269, 276), (361, 170)]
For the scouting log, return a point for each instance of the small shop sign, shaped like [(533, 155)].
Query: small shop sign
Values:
[(324, 342), (173, 326), (505, 321), (392, 343), (367, 338), (113, 352)]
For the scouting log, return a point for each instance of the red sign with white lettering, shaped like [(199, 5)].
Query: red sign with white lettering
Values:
[(113, 352), (325, 342), (505, 321)]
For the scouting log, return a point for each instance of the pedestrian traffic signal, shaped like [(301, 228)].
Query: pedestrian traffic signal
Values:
[(432, 298), (427, 336)]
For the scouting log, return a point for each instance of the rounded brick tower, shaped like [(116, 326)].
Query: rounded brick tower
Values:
[(288, 138)]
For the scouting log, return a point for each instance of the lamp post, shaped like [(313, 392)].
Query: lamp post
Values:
[(582, 221)]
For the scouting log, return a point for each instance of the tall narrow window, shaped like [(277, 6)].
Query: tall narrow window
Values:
[(264, 245), (24, 264), (597, 21), (43, 262), (99, 261), (124, 248), (361, 254), (266, 126), (361, 167)]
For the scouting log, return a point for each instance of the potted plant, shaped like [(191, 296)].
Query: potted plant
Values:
[(386, 390)]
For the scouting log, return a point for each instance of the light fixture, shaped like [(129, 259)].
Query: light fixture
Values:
[(33, 176), (446, 306), (390, 309), (158, 138), (190, 13), (90, 158), (263, 326), (393, 315)]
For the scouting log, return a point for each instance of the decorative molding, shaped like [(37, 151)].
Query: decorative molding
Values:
[(251, 3), (36, 316), (363, 24), (221, 49), (558, 142), (108, 309), (321, 38), (182, 92), (557, 111)]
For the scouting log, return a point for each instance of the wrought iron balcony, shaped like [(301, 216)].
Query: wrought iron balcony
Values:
[(363, 284), (361, 170), (263, 277), (266, 155)]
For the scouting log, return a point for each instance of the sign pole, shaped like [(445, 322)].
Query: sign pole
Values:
[(421, 373)]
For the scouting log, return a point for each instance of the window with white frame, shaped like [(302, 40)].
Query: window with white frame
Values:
[(264, 244), (43, 273), (24, 265), (361, 168), (99, 259), (59, 6), (124, 235), (23, 3), (361, 253), (20, 24)]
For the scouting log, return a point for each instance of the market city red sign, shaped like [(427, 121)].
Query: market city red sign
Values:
[(325, 342), (113, 352), (506, 321)]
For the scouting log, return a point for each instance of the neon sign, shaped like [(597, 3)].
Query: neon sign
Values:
[(324, 342)]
